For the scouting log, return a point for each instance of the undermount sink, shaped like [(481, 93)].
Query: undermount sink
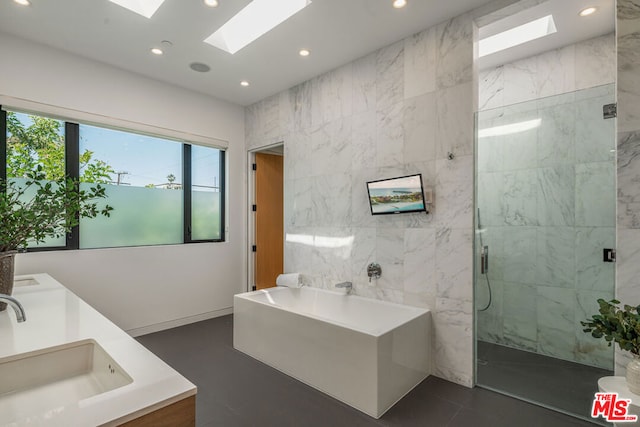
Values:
[(25, 281), (55, 376)]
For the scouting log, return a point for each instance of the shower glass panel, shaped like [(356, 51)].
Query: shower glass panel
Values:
[(545, 199)]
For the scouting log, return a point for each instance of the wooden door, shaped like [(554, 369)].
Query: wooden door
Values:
[(269, 219)]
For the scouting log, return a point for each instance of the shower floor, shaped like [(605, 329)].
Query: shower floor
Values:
[(555, 383)]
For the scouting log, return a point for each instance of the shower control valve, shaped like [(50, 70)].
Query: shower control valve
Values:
[(374, 271)]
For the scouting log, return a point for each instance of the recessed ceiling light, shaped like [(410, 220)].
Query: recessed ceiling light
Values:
[(156, 51), (211, 3), (588, 11), (256, 19), (304, 52), (23, 2), (398, 4), (517, 35), (145, 8), (244, 83), (199, 67)]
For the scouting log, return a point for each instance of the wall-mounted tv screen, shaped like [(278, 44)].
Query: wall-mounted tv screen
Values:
[(396, 195)]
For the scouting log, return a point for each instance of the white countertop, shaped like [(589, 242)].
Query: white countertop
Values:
[(618, 385), (56, 316)]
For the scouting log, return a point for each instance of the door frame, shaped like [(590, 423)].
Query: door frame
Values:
[(251, 219)]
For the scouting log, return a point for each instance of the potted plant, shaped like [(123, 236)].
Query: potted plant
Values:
[(34, 208), (620, 325)]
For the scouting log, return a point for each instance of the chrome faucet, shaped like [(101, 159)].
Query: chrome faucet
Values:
[(347, 285), (17, 307)]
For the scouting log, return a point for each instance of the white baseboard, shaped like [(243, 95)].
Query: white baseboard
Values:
[(157, 327)]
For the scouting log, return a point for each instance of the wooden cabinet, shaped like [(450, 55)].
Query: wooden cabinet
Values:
[(179, 414)]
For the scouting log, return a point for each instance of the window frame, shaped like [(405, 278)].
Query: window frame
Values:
[(72, 170)]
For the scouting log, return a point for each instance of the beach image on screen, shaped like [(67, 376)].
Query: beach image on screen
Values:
[(396, 195)]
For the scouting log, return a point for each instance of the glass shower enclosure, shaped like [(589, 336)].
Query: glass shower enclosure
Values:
[(545, 214)]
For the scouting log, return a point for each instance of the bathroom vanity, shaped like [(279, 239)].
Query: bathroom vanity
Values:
[(67, 365)]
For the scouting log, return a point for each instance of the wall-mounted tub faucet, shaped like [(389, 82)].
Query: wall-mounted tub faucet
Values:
[(347, 285), (374, 271), (17, 307)]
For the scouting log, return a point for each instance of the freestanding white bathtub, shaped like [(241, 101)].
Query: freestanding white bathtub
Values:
[(363, 352)]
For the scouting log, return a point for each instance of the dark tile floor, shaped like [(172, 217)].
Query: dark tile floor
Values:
[(237, 390), (556, 383)]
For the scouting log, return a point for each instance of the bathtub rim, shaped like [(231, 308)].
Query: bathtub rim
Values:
[(418, 311)]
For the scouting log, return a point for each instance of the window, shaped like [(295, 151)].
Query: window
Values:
[(162, 191), (206, 194), (33, 141), (144, 188)]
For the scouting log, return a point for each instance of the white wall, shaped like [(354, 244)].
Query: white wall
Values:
[(147, 288)]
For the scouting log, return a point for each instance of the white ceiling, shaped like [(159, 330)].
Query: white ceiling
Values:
[(336, 32)]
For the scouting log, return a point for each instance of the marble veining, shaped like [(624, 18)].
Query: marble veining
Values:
[(390, 135), (453, 332), (331, 147), (454, 263), (390, 75), (298, 101), (556, 72), (628, 9), (521, 316), (364, 152), (627, 270), (520, 255), (520, 81), (419, 260), (629, 79), (591, 351), (556, 136), (419, 124), (595, 62), (454, 44), (454, 115), (520, 198), (595, 202), (628, 179), (491, 88), (590, 275), (593, 140), (556, 196), (555, 264), (331, 200), (420, 63), (364, 84), (584, 65)]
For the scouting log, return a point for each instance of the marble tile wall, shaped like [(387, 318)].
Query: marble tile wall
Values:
[(579, 66), (394, 112), (628, 217), (547, 209)]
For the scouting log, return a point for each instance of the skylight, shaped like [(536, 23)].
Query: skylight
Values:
[(256, 19), (518, 35), (145, 8)]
